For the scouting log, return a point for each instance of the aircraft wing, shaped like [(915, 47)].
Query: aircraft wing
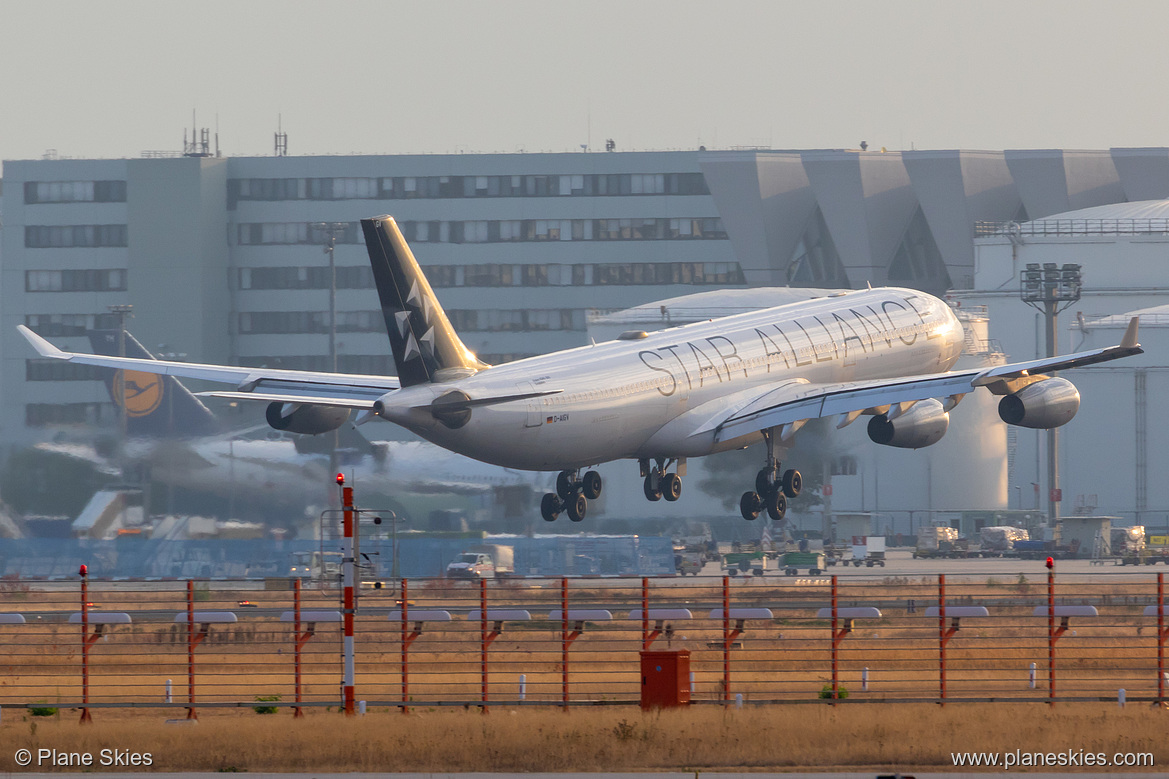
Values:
[(267, 384), (794, 404)]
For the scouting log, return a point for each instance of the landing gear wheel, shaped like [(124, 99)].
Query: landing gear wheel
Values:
[(792, 483), (763, 483), (591, 485), (650, 492), (565, 485), (671, 486), (750, 505), (578, 506), (776, 505), (550, 507)]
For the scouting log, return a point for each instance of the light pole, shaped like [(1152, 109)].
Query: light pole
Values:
[(331, 230), (1050, 288)]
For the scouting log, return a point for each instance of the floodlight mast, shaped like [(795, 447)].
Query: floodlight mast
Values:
[(1051, 289)]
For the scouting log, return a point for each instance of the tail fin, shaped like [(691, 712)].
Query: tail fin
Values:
[(156, 406), (424, 343)]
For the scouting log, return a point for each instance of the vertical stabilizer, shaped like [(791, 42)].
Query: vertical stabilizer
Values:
[(157, 406), (424, 343)]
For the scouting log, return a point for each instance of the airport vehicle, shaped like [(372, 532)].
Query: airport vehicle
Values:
[(688, 563), (484, 561), (937, 541), (870, 553), (317, 566), (1128, 544), (655, 398), (754, 562), (813, 562), (1001, 540)]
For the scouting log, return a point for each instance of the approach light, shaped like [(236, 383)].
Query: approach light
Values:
[(83, 571), (340, 480), (1050, 563)]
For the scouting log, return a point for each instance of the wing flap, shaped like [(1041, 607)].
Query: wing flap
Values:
[(276, 397)]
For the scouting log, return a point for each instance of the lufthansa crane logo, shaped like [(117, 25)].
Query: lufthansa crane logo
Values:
[(137, 392)]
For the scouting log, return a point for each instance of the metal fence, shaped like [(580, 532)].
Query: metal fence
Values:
[(567, 642)]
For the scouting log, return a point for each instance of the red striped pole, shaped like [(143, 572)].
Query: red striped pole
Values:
[(348, 561)]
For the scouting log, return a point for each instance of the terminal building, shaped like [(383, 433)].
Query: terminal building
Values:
[(222, 257)]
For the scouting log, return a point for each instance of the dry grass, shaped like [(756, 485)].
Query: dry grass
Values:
[(895, 736)]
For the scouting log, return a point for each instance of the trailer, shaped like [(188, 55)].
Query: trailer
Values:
[(734, 563), (813, 562)]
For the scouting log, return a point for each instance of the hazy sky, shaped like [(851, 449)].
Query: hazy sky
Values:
[(111, 79)]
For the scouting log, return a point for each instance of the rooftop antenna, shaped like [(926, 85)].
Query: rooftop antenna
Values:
[(281, 138), (200, 144)]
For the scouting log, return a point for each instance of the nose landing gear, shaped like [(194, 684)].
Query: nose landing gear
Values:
[(572, 496)]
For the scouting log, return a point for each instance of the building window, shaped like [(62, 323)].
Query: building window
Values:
[(432, 187), (59, 370), (282, 322), (306, 277), (56, 325), (364, 364), (43, 414), (585, 275), (75, 236), (102, 280), (74, 192)]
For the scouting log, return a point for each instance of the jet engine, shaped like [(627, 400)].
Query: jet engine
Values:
[(922, 425), (306, 419), (1041, 406)]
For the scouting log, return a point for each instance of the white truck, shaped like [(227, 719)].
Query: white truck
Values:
[(316, 566), (870, 553), (484, 561)]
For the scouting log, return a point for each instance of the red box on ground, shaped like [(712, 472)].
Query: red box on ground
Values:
[(665, 679)]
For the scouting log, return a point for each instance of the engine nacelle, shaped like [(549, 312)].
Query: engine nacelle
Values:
[(307, 419), (1041, 406), (922, 425)]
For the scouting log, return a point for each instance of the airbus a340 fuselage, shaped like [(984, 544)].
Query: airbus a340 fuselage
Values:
[(660, 398), (619, 399)]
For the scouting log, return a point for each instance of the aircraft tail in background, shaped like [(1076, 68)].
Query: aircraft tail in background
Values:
[(157, 406)]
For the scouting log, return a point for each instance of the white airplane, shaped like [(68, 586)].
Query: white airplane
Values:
[(657, 399), (186, 445)]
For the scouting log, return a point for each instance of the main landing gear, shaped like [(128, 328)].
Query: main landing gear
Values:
[(772, 490), (572, 496), (660, 484)]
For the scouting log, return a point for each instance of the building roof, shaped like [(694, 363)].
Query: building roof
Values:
[(1139, 210)]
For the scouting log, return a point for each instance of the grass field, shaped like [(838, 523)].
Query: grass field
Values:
[(707, 738)]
